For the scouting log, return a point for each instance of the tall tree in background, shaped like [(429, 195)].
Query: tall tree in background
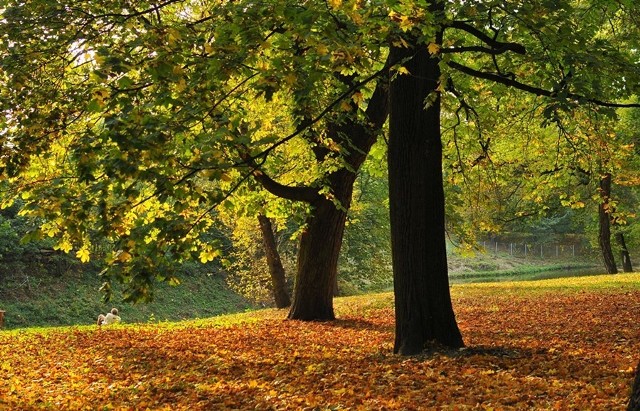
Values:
[(276, 269), (604, 219)]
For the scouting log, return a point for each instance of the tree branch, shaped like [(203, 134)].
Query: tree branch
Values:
[(297, 193), (497, 47), (136, 13), (479, 49), (308, 123), (378, 108), (531, 89)]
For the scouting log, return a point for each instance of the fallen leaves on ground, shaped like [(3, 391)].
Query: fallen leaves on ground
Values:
[(549, 350)]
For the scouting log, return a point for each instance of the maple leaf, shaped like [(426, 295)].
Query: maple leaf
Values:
[(433, 48)]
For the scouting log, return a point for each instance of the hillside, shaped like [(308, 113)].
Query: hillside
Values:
[(73, 297), (68, 294)]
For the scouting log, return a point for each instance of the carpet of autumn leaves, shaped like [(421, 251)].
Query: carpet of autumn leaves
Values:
[(548, 349)]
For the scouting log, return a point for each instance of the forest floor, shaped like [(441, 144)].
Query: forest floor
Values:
[(563, 344)]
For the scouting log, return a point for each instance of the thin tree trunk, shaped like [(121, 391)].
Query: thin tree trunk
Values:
[(634, 398), (276, 270), (423, 306), (624, 253), (604, 234)]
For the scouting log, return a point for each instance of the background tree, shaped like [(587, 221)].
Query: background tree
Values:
[(150, 156), (365, 259)]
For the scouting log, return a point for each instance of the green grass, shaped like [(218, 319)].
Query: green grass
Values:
[(489, 266), (74, 299), (359, 305), (591, 283)]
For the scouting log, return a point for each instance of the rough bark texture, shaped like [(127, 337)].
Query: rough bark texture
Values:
[(634, 399), (276, 270), (318, 255), (627, 267), (604, 234), (421, 285)]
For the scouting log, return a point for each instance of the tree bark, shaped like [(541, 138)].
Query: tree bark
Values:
[(624, 253), (604, 234), (276, 270), (318, 254), (634, 398), (423, 308)]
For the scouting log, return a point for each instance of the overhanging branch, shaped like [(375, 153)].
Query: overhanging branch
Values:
[(298, 193), (531, 89), (478, 49), (294, 193), (497, 47)]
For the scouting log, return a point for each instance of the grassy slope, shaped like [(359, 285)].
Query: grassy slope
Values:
[(73, 298), (491, 266)]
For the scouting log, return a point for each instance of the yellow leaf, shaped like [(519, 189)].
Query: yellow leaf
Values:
[(290, 79), (178, 70), (181, 84), (405, 23), (335, 3), (322, 49), (64, 245), (83, 254), (124, 257), (208, 254), (433, 48), (357, 98), (173, 36), (403, 70)]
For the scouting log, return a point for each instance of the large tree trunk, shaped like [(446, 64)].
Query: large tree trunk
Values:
[(624, 253), (318, 254), (276, 270), (604, 234), (423, 306)]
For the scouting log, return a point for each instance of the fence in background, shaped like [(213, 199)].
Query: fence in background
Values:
[(540, 250)]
